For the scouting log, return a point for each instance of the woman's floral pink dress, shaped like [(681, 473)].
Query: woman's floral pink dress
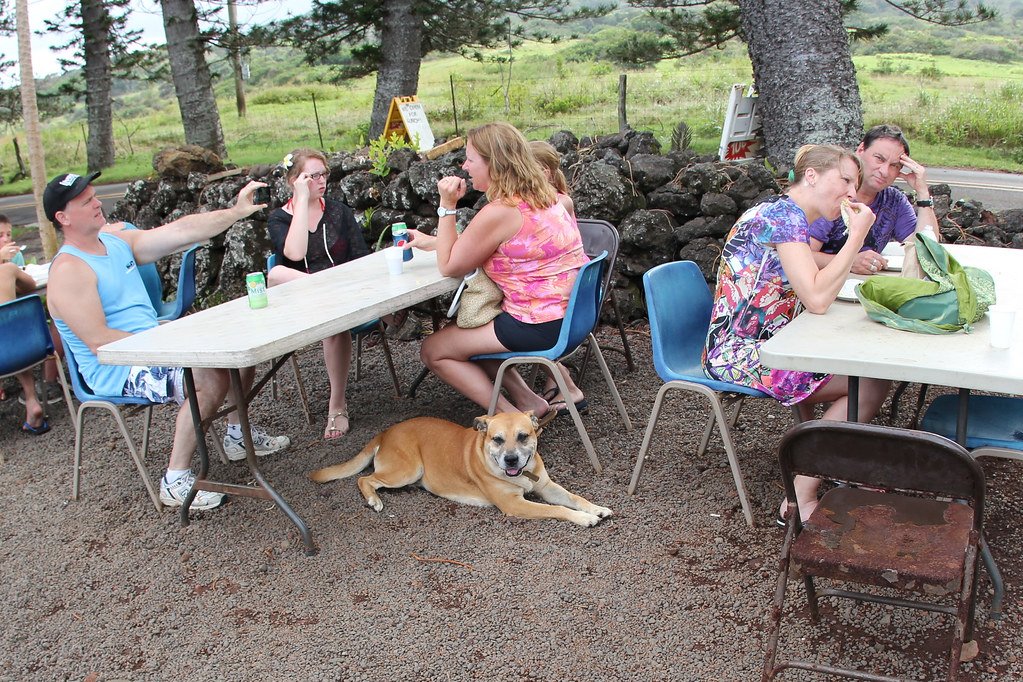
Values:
[(754, 300)]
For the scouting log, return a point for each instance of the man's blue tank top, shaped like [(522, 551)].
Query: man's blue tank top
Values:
[(126, 306)]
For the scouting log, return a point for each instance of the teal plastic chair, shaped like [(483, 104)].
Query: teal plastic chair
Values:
[(678, 304), (172, 310), (114, 405), (581, 318)]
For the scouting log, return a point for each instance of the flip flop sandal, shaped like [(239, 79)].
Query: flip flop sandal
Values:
[(549, 394), (583, 406), (331, 428), (36, 430)]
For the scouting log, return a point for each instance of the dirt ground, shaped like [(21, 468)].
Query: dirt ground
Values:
[(674, 587)]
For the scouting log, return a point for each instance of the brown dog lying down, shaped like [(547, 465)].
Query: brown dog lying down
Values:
[(493, 463)]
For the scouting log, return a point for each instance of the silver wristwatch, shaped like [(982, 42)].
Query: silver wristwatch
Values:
[(441, 211)]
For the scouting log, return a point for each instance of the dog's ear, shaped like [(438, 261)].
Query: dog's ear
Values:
[(481, 423), (533, 420)]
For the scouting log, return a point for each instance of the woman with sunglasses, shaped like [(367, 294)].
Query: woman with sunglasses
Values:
[(311, 233)]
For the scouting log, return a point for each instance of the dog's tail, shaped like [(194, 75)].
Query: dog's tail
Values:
[(349, 468)]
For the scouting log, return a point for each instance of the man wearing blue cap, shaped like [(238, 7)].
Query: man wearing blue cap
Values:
[(96, 296)]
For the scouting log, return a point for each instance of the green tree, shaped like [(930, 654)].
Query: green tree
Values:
[(802, 66), (391, 37), (104, 47)]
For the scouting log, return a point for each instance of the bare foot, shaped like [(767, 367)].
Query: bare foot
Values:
[(34, 413), (337, 424)]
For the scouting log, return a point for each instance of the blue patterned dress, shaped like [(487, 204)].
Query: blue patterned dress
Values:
[(754, 300)]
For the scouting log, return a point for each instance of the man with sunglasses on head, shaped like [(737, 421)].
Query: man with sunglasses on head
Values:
[(884, 153), (96, 295)]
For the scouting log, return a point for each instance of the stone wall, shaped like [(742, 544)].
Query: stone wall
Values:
[(673, 206)]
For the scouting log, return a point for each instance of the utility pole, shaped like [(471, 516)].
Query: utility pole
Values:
[(30, 114), (236, 58)]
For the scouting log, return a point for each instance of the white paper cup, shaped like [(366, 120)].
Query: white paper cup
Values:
[(394, 257), (1002, 319)]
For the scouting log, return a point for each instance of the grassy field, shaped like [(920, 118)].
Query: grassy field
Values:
[(957, 112)]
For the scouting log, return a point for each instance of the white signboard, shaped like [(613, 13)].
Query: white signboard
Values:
[(741, 137), (408, 118)]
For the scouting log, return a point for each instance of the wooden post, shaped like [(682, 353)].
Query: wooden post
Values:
[(623, 122), (316, 115), (454, 109)]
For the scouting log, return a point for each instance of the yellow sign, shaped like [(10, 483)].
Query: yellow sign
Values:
[(406, 118)]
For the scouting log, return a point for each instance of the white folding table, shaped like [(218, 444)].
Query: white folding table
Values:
[(300, 312)]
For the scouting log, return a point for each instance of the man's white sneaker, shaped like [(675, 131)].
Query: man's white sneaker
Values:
[(263, 443), (173, 494)]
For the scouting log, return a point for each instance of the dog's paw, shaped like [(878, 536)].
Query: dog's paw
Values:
[(584, 519), (375, 503), (602, 512)]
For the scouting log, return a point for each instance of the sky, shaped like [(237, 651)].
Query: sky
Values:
[(145, 15)]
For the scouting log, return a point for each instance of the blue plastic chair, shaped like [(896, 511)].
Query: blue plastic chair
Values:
[(994, 428), (581, 318), (678, 304), (113, 405), (25, 341), (171, 310)]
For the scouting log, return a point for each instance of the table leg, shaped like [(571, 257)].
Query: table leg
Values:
[(239, 398), (964, 413), (262, 489), (853, 406), (423, 373), (200, 440)]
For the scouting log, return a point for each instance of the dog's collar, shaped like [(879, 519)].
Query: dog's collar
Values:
[(531, 476)]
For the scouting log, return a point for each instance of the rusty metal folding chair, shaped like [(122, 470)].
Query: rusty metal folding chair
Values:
[(916, 528)]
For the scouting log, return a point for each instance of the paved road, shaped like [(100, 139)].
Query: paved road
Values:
[(21, 209), (996, 191)]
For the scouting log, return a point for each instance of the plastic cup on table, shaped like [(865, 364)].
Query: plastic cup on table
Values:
[(1002, 319), (394, 257)]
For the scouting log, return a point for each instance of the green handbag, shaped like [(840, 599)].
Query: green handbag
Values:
[(951, 299)]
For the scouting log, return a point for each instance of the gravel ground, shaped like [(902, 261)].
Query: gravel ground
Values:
[(674, 586)]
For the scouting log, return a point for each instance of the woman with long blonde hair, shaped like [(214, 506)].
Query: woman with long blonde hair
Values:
[(526, 242)]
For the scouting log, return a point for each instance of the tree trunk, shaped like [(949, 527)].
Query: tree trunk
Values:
[(30, 114), (804, 75), (96, 44), (398, 75), (191, 75)]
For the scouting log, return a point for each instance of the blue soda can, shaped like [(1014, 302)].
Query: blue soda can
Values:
[(399, 232)]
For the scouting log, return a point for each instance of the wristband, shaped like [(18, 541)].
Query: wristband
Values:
[(924, 203)]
